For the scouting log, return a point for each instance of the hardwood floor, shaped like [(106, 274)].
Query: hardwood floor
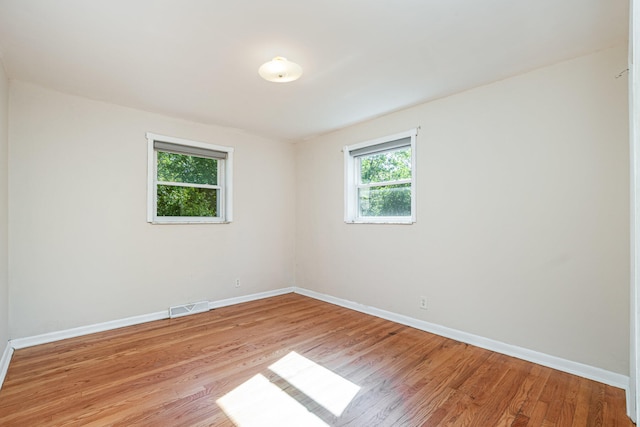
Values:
[(290, 360)]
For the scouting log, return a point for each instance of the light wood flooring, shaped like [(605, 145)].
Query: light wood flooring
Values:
[(290, 361)]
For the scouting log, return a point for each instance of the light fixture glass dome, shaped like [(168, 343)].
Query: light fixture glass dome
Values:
[(280, 70)]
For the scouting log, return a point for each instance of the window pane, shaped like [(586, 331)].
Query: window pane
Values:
[(389, 200), (387, 166), (189, 169), (187, 201)]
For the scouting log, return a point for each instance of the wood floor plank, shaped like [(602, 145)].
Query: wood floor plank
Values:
[(177, 372), (537, 415), (596, 406), (433, 384), (583, 399), (556, 397)]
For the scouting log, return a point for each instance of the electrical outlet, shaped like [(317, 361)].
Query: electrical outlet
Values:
[(423, 303), (237, 283)]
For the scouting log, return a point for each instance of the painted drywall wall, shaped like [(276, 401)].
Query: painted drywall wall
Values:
[(4, 208), (81, 249), (522, 232)]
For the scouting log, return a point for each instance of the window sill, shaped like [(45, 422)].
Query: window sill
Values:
[(385, 221), (188, 222)]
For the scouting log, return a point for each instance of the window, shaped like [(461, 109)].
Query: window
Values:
[(380, 180), (189, 181)]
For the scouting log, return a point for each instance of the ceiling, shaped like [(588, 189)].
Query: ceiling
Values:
[(198, 59)]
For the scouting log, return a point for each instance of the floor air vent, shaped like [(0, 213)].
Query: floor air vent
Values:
[(186, 309)]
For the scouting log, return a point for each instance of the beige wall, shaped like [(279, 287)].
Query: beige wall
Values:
[(4, 206), (81, 249), (523, 214), (522, 232)]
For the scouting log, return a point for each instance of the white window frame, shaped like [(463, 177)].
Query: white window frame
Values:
[(225, 177), (352, 177)]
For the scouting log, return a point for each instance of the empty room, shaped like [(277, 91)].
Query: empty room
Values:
[(336, 213)]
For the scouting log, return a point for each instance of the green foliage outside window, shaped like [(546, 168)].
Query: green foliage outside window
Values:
[(189, 169), (186, 201), (389, 199)]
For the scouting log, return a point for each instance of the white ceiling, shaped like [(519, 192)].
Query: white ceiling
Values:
[(198, 59)]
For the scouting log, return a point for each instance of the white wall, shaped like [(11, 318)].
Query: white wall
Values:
[(81, 249), (4, 256), (523, 214)]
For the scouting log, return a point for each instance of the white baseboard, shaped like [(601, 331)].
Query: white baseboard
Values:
[(247, 298), (19, 343), (4, 362), (586, 371), (575, 368)]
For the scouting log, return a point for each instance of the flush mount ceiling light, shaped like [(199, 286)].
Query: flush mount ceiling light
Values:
[(280, 70)]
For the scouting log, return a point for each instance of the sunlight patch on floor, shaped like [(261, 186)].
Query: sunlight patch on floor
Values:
[(327, 388), (259, 402)]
